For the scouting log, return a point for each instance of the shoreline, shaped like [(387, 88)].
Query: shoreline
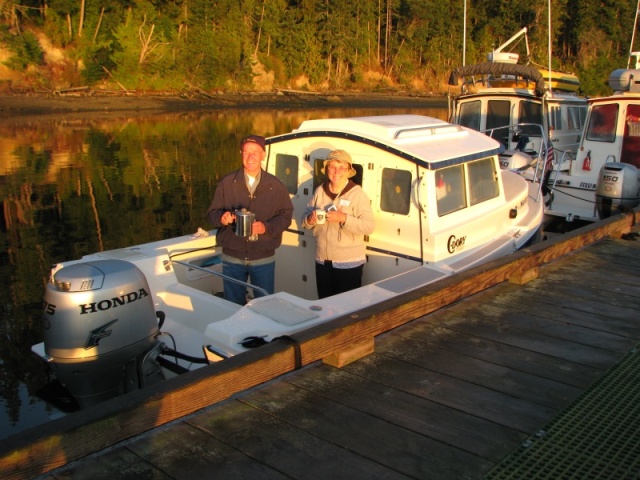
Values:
[(12, 106)]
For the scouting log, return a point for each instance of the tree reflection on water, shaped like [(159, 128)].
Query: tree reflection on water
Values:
[(73, 187)]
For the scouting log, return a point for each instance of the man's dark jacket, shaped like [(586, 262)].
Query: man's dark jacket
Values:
[(271, 205)]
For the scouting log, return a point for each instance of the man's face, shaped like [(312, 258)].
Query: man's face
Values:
[(252, 156)]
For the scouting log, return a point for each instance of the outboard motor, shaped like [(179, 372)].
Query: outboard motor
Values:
[(515, 160), (100, 324), (618, 188)]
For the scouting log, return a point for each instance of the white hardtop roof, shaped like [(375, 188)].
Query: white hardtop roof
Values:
[(525, 92), (430, 141)]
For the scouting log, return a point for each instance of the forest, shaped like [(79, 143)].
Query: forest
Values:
[(315, 45)]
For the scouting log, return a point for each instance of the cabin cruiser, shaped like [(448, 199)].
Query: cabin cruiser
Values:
[(609, 149), (118, 320), (533, 111), (526, 107)]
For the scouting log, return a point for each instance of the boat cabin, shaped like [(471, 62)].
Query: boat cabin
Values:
[(436, 190), (521, 116)]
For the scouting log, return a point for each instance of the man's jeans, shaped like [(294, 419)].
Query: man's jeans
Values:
[(261, 275)]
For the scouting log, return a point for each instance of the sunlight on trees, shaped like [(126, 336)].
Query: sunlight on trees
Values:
[(333, 44)]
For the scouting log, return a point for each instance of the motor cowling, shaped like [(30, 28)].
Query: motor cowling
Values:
[(99, 316), (515, 160), (617, 189)]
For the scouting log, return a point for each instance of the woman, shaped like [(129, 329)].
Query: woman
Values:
[(340, 251)]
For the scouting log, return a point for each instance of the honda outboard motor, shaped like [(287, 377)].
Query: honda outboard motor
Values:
[(618, 188), (515, 160), (100, 323)]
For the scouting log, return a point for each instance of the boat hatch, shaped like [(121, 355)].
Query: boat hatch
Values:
[(283, 311)]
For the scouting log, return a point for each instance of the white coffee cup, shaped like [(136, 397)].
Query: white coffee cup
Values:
[(321, 216)]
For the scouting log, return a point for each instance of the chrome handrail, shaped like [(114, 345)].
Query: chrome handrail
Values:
[(219, 274)]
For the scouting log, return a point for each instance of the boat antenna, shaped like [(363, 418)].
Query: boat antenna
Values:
[(464, 33), (633, 36), (549, 41)]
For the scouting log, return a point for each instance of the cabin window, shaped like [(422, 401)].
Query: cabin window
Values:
[(483, 181), (450, 190), (576, 117), (498, 115), (470, 115), (319, 177), (396, 191), (602, 123), (555, 118), (287, 171), (630, 152), (531, 115)]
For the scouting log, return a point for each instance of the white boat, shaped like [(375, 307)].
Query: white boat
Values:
[(533, 111), (609, 150), (604, 176), (526, 107), (527, 117), (121, 319)]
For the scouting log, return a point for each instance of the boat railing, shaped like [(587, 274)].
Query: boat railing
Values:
[(551, 184), (220, 274), (520, 133)]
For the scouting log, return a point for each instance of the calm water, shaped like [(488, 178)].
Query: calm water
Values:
[(73, 187)]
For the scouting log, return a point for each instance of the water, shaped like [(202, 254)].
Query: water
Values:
[(73, 187)]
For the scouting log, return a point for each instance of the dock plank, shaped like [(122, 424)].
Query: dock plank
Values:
[(471, 433), (483, 373), (498, 407), (401, 449), (528, 361)]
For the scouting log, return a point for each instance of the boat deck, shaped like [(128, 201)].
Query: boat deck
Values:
[(517, 381)]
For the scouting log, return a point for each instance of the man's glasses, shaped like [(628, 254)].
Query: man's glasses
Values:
[(337, 169)]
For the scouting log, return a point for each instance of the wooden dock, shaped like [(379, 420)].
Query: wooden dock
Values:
[(462, 374)]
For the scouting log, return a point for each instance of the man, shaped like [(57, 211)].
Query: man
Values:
[(259, 192)]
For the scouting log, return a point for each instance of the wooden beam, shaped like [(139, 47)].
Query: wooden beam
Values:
[(349, 355)]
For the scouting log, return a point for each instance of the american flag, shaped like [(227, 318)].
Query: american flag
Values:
[(549, 156)]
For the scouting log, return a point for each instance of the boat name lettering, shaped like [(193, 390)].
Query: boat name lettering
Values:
[(590, 186), (103, 305), (454, 243)]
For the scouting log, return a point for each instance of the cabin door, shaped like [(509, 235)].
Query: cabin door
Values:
[(631, 141), (395, 245)]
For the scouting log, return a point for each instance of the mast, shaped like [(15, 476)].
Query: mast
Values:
[(549, 40), (464, 33), (633, 36)]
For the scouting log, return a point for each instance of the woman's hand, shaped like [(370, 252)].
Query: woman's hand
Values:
[(311, 218), (336, 216)]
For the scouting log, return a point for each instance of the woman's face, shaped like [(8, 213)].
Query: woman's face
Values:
[(337, 172)]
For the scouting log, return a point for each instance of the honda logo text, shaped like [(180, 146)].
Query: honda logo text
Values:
[(104, 305)]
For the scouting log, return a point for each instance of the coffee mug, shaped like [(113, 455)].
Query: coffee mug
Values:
[(321, 216)]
